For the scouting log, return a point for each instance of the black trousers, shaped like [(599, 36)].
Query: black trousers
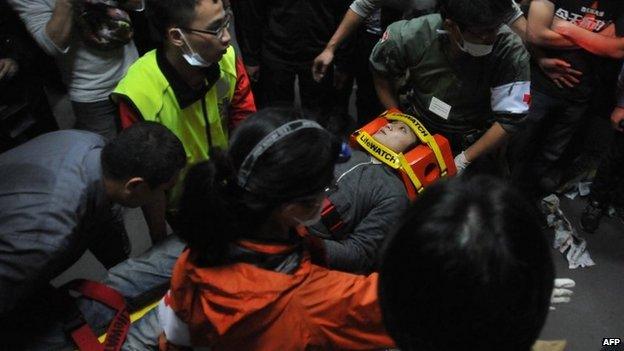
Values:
[(539, 146), (608, 186), (277, 88)]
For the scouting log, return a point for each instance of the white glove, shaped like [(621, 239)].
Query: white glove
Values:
[(461, 162), (560, 293)]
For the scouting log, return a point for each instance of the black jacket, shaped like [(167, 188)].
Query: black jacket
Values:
[(288, 31)]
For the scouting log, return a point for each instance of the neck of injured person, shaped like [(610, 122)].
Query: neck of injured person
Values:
[(396, 136)]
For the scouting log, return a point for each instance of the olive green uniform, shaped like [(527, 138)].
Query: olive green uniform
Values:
[(456, 97)]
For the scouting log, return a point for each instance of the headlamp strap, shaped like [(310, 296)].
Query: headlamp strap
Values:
[(387, 156), (423, 135), (268, 141)]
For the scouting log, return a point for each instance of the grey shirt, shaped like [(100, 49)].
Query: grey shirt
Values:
[(52, 206), (371, 200), (90, 74)]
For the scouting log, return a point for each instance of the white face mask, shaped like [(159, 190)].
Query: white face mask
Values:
[(476, 50), (192, 57)]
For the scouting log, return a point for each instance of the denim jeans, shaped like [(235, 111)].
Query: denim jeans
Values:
[(141, 280)]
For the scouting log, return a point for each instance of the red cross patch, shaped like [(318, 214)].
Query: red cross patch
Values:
[(527, 99)]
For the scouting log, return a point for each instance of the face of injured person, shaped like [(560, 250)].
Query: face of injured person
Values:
[(396, 135)]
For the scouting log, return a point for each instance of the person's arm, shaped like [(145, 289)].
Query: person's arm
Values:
[(558, 70), (539, 32), (488, 142), (359, 251), (349, 24), (357, 12), (596, 43), (176, 334), (388, 62), (242, 104), (50, 27), (32, 252), (519, 26), (59, 27), (517, 22), (510, 96), (154, 214)]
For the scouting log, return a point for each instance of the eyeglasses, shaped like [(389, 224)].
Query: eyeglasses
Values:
[(217, 32)]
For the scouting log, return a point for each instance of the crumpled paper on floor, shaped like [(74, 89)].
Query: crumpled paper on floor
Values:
[(567, 240), (580, 188)]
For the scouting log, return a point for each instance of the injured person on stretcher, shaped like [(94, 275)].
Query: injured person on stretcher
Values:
[(368, 197), (365, 202)]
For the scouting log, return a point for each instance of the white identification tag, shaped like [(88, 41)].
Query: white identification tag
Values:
[(440, 107)]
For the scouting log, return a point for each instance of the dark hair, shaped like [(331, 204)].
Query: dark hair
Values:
[(146, 149), (475, 13), (164, 14), (470, 269), (215, 210)]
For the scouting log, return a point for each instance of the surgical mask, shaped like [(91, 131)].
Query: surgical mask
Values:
[(192, 57), (476, 50)]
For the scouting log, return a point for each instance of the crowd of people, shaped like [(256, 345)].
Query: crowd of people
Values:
[(284, 237)]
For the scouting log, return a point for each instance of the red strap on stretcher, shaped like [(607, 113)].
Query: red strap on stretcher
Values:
[(81, 332)]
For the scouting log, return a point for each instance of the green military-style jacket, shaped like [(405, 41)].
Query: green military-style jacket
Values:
[(462, 95)]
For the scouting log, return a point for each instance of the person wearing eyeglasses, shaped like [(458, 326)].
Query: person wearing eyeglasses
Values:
[(194, 84), (463, 71)]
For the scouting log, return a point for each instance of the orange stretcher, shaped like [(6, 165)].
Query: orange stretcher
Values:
[(429, 161)]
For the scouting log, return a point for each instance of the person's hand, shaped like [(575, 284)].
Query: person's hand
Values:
[(461, 162), (321, 63), (561, 26), (253, 72), (561, 291), (617, 119), (8, 68), (559, 71), (340, 79)]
